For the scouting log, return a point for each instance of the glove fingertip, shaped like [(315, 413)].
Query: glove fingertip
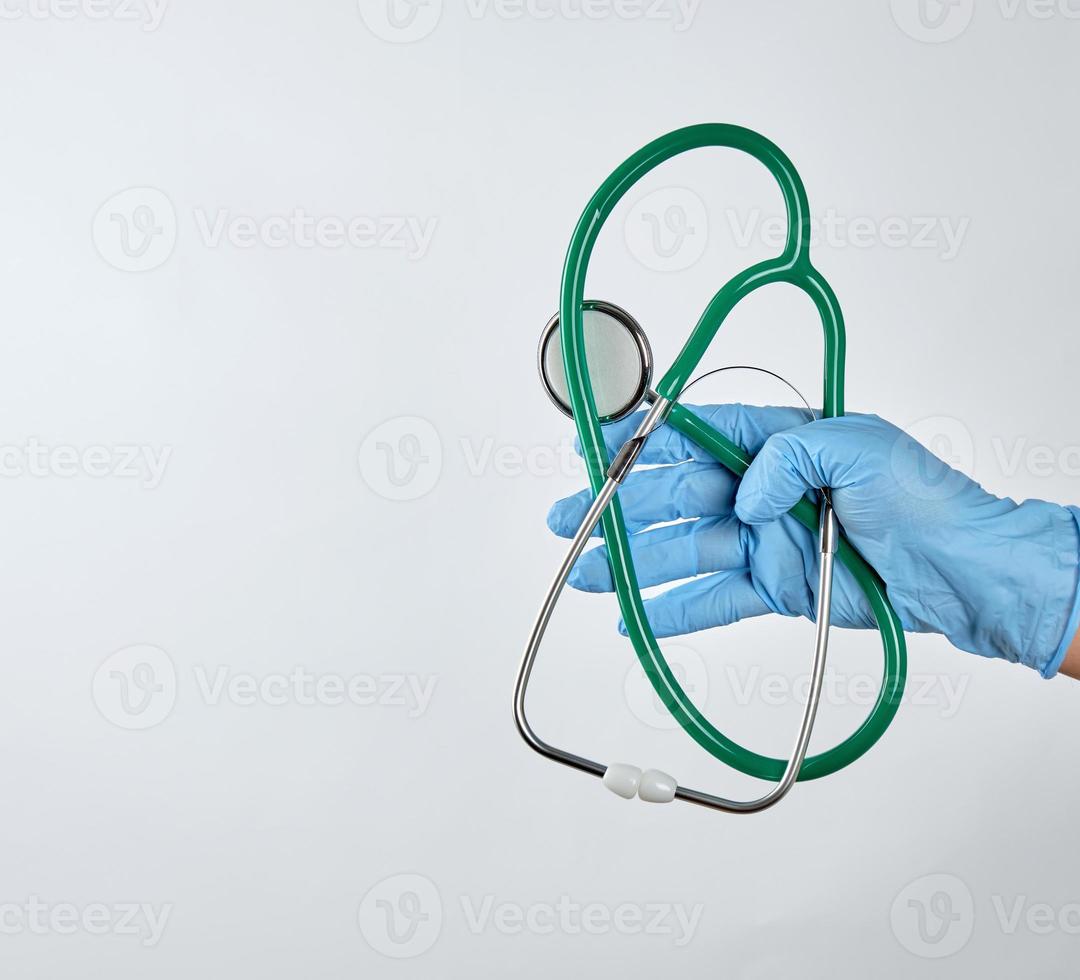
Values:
[(554, 519), (752, 504), (590, 574), (772, 485)]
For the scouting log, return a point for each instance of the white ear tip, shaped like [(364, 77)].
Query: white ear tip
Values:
[(657, 787), (622, 780)]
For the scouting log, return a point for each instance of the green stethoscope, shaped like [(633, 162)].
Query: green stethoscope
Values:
[(614, 334)]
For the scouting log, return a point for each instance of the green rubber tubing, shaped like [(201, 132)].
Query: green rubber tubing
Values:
[(792, 266)]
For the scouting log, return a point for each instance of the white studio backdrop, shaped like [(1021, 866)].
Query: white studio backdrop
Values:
[(276, 465)]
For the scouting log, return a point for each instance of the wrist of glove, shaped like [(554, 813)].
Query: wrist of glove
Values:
[(1004, 585)]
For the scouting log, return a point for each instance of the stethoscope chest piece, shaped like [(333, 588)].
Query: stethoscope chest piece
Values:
[(616, 344)]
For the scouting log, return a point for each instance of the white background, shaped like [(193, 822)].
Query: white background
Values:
[(284, 380)]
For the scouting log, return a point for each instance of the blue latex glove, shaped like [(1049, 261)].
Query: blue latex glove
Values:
[(997, 578)]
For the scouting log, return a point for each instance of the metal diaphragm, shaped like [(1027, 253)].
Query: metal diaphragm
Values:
[(618, 356)]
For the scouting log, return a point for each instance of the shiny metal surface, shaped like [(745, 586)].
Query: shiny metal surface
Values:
[(652, 419), (641, 341), (827, 535)]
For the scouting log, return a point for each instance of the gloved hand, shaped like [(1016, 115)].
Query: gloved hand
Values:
[(997, 578)]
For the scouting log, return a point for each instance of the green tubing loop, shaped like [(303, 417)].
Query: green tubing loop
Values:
[(792, 266)]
